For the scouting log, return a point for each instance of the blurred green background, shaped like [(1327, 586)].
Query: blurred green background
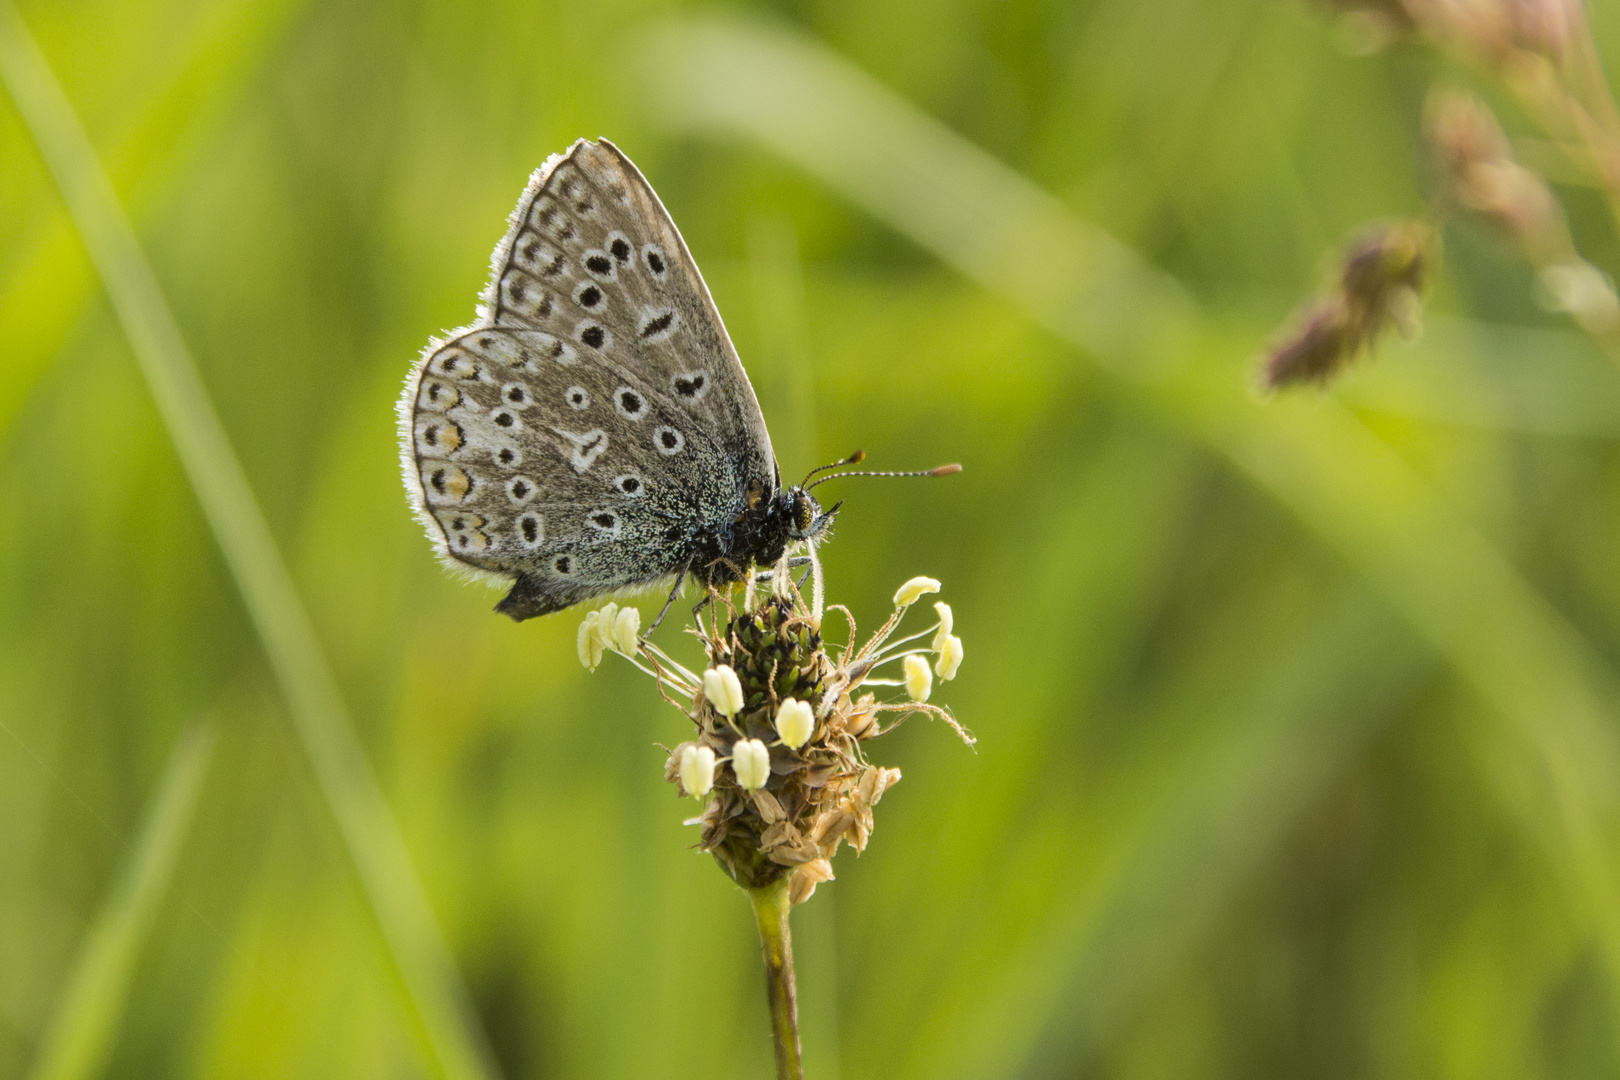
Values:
[(1298, 719)]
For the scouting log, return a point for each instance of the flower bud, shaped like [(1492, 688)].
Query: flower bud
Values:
[(590, 641), (919, 680), (795, 723), (950, 658), (697, 770), (751, 762), (626, 632), (945, 621), (911, 590), (724, 692)]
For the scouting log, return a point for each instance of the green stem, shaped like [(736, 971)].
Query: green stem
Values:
[(776, 940)]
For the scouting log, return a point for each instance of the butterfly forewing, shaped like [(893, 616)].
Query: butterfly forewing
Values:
[(597, 412)]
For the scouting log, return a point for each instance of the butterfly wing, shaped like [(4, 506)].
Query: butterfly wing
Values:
[(596, 415)]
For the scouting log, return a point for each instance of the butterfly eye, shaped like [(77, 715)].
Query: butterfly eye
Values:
[(804, 512)]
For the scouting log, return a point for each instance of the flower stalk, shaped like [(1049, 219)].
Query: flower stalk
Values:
[(780, 721), (771, 906)]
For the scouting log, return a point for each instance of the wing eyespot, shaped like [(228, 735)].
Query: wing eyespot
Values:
[(669, 441), (652, 256), (531, 531), (521, 490), (657, 324), (593, 335), (600, 265), (690, 385), (630, 404)]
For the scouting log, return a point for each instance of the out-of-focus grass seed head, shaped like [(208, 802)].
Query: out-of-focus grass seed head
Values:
[(1379, 282)]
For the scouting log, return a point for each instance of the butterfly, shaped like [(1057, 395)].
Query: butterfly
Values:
[(593, 431)]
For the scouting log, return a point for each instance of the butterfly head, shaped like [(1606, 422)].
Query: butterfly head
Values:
[(806, 519)]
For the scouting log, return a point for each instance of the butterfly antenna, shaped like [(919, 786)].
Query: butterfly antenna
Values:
[(940, 470), (854, 459)]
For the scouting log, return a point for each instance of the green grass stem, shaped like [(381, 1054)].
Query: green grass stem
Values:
[(80, 1035), (319, 715)]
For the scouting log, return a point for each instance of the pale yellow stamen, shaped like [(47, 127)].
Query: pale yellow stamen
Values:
[(950, 658), (919, 680), (724, 692), (913, 589), (752, 763), (795, 723), (697, 771)]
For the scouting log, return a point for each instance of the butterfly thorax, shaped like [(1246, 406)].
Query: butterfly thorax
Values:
[(759, 535)]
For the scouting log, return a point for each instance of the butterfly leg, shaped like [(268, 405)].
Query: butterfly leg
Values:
[(764, 576), (673, 593)]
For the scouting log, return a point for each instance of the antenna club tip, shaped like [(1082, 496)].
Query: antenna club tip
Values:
[(857, 457), (945, 470)]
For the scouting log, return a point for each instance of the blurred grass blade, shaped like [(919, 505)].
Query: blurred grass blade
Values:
[(46, 285), (995, 226), (779, 309), (368, 828), (1185, 833), (80, 1035), (915, 174)]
